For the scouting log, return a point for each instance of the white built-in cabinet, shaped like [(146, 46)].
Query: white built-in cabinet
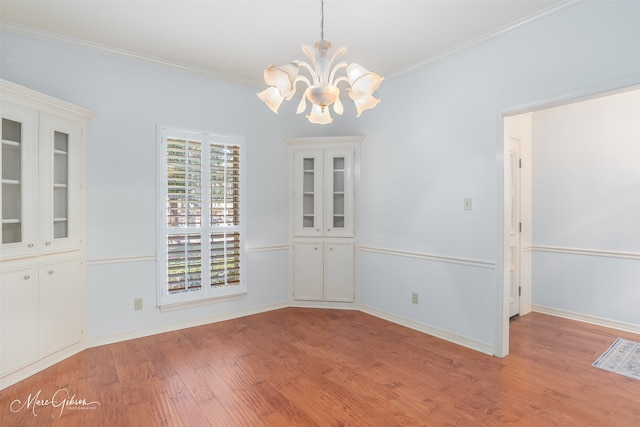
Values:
[(323, 270), (323, 180), (42, 203)]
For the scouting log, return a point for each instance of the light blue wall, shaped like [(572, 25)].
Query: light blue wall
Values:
[(131, 98), (433, 141), (586, 208)]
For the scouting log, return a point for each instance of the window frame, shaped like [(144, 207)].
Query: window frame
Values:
[(206, 293)]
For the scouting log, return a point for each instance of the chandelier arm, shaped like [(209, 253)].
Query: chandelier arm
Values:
[(335, 69), (302, 79), (337, 55), (341, 79), (310, 54), (314, 74)]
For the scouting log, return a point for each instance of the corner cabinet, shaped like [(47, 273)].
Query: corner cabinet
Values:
[(323, 183), (42, 255)]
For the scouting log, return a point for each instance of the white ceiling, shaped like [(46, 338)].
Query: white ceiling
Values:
[(237, 39)]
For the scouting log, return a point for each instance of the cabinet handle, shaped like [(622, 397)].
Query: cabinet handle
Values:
[(47, 243), (50, 271), (27, 277)]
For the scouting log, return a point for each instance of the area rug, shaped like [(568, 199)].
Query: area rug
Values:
[(623, 357)]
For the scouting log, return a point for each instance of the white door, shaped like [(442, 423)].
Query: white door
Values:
[(514, 226), (338, 271), (60, 305), (18, 318), (308, 280)]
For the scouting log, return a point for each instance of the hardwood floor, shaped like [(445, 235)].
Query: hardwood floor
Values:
[(311, 367)]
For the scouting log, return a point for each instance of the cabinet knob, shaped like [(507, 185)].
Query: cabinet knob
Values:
[(50, 271), (27, 277), (318, 230), (315, 248), (47, 243), (30, 245), (330, 248)]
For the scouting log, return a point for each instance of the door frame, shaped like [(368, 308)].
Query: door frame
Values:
[(501, 340)]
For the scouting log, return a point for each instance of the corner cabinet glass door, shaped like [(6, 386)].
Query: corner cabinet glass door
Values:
[(307, 193), (339, 192), (59, 184), (323, 192), (19, 172)]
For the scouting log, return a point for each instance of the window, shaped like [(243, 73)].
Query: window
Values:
[(201, 237)]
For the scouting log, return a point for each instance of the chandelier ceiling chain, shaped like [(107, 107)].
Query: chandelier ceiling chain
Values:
[(322, 82), (321, 19)]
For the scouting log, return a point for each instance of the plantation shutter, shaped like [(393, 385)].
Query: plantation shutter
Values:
[(225, 214), (201, 253)]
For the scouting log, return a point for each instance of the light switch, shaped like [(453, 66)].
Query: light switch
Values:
[(467, 204)]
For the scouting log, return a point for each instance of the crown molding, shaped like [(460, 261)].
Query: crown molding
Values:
[(122, 53), (9, 89), (501, 32)]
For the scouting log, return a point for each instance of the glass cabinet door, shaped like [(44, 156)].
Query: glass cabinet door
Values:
[(12, 144), (59, 185), (307, 191), (19, 141), (339, 192)]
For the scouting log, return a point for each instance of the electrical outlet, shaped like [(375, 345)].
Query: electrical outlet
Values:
[(137, 304), (414, 298)]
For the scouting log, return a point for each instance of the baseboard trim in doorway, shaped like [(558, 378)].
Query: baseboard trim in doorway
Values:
[(429, 330), (586, 318)]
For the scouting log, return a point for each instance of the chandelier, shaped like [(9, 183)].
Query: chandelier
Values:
[(322, 82)]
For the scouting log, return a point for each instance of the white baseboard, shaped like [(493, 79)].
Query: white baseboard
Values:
[(429, 330), (586, 318), (110, 339), (57, 357), (39, 365), (337, 305), (482, 347), (526, 309)]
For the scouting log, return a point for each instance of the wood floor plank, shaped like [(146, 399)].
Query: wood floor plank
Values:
[(162, 408), (188, 409), (140, 414), (220, 416), (113, 407), (314, 367)]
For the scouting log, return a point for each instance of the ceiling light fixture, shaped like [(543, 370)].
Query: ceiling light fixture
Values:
[(322, 86)]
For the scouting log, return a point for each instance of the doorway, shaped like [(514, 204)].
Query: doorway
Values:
[(515, 255)]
